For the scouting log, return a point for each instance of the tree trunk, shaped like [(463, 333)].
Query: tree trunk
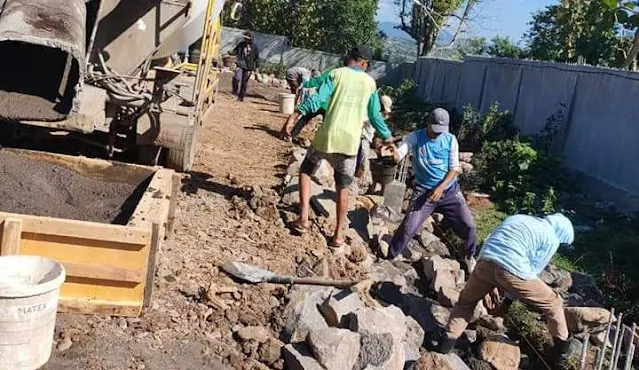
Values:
[(634, 51)]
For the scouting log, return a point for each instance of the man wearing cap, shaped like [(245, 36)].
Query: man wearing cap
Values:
[(314, 83), (248, 56), (295, 76), (436, 167), (351, 97), (510, 260)]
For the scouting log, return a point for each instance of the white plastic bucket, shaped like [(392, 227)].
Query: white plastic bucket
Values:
[(29, 292), (287, 103)]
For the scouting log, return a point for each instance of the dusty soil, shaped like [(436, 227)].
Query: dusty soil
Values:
[(37, 187), (225, 212)]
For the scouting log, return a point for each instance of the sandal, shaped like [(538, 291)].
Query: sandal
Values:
[(300, 229), (338, 245)]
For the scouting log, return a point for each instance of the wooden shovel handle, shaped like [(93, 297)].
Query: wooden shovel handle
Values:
[(312, 281)]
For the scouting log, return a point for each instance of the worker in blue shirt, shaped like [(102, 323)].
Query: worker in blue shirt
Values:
[(510, 260), (436, 167)]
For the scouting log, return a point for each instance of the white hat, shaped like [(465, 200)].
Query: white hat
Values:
[(387, 103)]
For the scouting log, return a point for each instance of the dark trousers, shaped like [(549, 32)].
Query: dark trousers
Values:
[(240, 82), (456, 216), (304, 120)]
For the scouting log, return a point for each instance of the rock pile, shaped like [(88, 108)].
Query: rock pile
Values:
[(386, 321), (270, 80)]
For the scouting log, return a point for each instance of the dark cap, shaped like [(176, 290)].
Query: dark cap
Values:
[(439, 119), (248, 35), (361, 51)]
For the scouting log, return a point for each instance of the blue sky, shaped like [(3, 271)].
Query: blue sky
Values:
[(493, 17)]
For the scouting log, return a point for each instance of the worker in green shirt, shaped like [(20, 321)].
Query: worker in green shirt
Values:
[(303, 120), (350, 96)]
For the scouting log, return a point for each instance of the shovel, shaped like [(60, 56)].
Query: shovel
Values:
[(255, 275)]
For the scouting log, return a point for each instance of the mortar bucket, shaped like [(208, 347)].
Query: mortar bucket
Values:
[(29, 292), (383, 170), (287, 103)]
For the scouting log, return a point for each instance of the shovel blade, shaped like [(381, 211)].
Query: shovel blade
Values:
[(251, 274)]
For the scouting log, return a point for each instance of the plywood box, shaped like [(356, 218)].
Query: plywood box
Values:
[(110, 268)]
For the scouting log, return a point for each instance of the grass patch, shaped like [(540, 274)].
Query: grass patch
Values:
[(486, 220)]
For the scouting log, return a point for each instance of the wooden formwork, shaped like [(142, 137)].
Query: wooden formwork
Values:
[(110, 268)]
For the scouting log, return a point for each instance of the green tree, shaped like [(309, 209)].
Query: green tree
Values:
[(473, 46), (328, 25), (505, 48), (425, 19), (587, 31), (498, 47)]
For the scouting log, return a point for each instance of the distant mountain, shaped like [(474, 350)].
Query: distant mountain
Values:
[(389, 28), (400, 47)]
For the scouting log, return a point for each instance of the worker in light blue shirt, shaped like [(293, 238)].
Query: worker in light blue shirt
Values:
[(510, 260), (436, 167)]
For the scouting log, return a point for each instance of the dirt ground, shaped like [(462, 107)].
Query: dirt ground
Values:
[(239, 151)]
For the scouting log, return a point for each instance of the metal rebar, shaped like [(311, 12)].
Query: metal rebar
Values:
[(631, 356), (604, 348), (614, 345), (631, 345), (584, 352), (619, 347)]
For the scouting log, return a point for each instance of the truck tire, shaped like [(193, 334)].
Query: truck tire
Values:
[(182, 159)]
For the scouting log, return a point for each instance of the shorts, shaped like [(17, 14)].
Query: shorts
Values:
[(343, 166)]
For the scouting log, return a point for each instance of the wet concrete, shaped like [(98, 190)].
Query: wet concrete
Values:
[(39, 187)]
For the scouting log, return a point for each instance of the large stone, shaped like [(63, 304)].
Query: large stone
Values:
[(339, 305), (501, 353), (436, 361), (299, 357), (335, 349), (442, 272), (448, 295), (586, 286), (386, 271), (556, 278), (259, 334), (433, 246), (466, 157), (271, 351), (382, 331), (413, 340), (467, 167), (580, 319), (440, 313), (298, 154), (323, 175), (302, 313), (493, 323)]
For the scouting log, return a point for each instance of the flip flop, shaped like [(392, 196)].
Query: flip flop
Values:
[(302, 230), (335, 245)]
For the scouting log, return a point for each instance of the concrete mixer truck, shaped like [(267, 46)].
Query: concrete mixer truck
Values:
[(105, 72)]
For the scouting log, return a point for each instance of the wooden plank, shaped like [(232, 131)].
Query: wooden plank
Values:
[(11, 236), (155, 203), (81, 229), (101, 272), (175, 191), (106, 308), (151, 266)]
